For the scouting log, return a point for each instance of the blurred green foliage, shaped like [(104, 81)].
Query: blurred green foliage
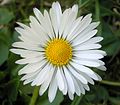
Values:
[(12, 92)]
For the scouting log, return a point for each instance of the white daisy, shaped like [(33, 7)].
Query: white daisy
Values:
[(58, 50)]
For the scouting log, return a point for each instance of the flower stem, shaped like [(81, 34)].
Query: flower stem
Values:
[(97, 12), (77, 100), (34, 96), (110, 83)]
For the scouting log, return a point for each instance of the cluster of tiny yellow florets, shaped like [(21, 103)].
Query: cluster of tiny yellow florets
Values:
[(58, 52)]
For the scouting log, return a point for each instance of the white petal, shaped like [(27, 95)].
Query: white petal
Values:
[(57, 8), (91, 63), (55, 13), (69, 79), (28, 46), (102, 68), (26, 53), (67, 28), (100, 62), (83, 37), (65, 83), (29, 32), (47, 24), (28, 80), (54, 21), (99, 78), (30, 60), (81, 87), (46, 83), (41, 77), (32, 67), (20, 51), (75, 10), (70, 20), (94, 76), (95, 39), (22, 25), (38, 15), (60, 80), (89, 79), (26, 33), (87, 46), (64, 20), (38, 29), (90, 73), (77, 75), (74, 25), (29, 75), (77, 89), (86, 87), (82, 68), (88, 76), (71, 95), (91, 52), (28, 40), (45, 21), (85, 32), (52, 89), (88, 55), (83, 24), (92, 26)]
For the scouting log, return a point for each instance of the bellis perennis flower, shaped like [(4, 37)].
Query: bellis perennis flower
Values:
[(58, 51)]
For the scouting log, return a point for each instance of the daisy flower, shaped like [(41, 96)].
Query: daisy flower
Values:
[(58, 51)]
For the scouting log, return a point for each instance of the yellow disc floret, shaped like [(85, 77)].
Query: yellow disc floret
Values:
[(58, 52)]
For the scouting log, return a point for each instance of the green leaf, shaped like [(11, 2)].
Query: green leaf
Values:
[(2, 75), (112, 48), (5, 35), (14, 71), (106, 12), (26, 89), (15, 36), (77, 100), (107, 34), (102, 94), (4, 51), (13, 86), (111, 42), (24, 100), (43, 100), (6, 102), (10, 89), (11, 61), (5, 16), (90, 97), (115, 100), (82, 1)]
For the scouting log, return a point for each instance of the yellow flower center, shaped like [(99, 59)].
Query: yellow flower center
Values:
[(58, 52)]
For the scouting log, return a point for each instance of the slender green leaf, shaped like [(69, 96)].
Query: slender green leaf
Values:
[(5, 16), (4, 51)]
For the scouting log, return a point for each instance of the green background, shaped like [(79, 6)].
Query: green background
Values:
[(106, 92)]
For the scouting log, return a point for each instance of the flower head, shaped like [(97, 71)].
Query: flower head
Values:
[(58, 50)]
